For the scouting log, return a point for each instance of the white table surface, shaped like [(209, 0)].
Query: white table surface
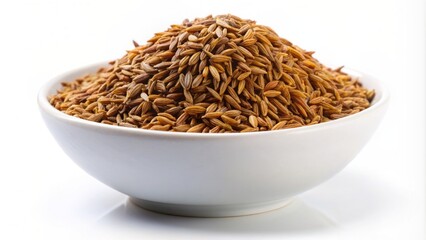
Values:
[(44, 195)]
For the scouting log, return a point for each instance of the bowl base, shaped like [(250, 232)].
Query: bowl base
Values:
[(209, 210)]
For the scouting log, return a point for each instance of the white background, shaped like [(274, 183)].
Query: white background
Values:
[(44, 195)]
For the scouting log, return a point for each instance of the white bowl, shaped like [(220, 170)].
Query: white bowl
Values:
[(211, 175)]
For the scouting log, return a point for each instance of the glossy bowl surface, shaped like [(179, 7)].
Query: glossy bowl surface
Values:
[(211, 175)]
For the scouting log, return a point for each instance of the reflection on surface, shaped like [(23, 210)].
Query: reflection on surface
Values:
[(296, 216), (337, 203)]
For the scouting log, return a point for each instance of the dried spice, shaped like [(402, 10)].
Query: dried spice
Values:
[(214, 75)]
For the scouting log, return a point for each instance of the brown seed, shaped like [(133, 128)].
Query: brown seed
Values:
[(182, 119), (215, 129), (230, 120), (163, 101), (222, 23), (249, 129), (188, 96), (214, 73), (279, 125), (147, 68), (217, 122), (249, 42), (195, 28), (194, 59), (232, 113), (112, 111), (167, 115), (228, 52), (232, 102), (245, 52), (146, 106), (234, 94), (173, 110), (165, 121), (197, 81), (195, 45), (96, 117), (220, 58), (213, 115), (194, 109), (257, 70), (272, 93), (214, 94), (271, 85), (211, 108), (197, 128), (253, 121), (124, 124), (182, 128), (192, 38), (187, 81), (241, 86), (243, 76), (263, 108), (160, 127)]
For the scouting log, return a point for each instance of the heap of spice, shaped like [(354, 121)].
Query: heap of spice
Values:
[(214, 75)]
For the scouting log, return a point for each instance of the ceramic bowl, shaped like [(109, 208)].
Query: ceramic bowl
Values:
[(211, 175)]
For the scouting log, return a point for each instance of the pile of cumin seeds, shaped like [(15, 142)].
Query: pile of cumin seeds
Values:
[(213, 75)]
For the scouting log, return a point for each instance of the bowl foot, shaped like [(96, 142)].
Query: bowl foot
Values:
[(210, 210)]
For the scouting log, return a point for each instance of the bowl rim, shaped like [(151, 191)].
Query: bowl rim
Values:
[(44, 105)]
